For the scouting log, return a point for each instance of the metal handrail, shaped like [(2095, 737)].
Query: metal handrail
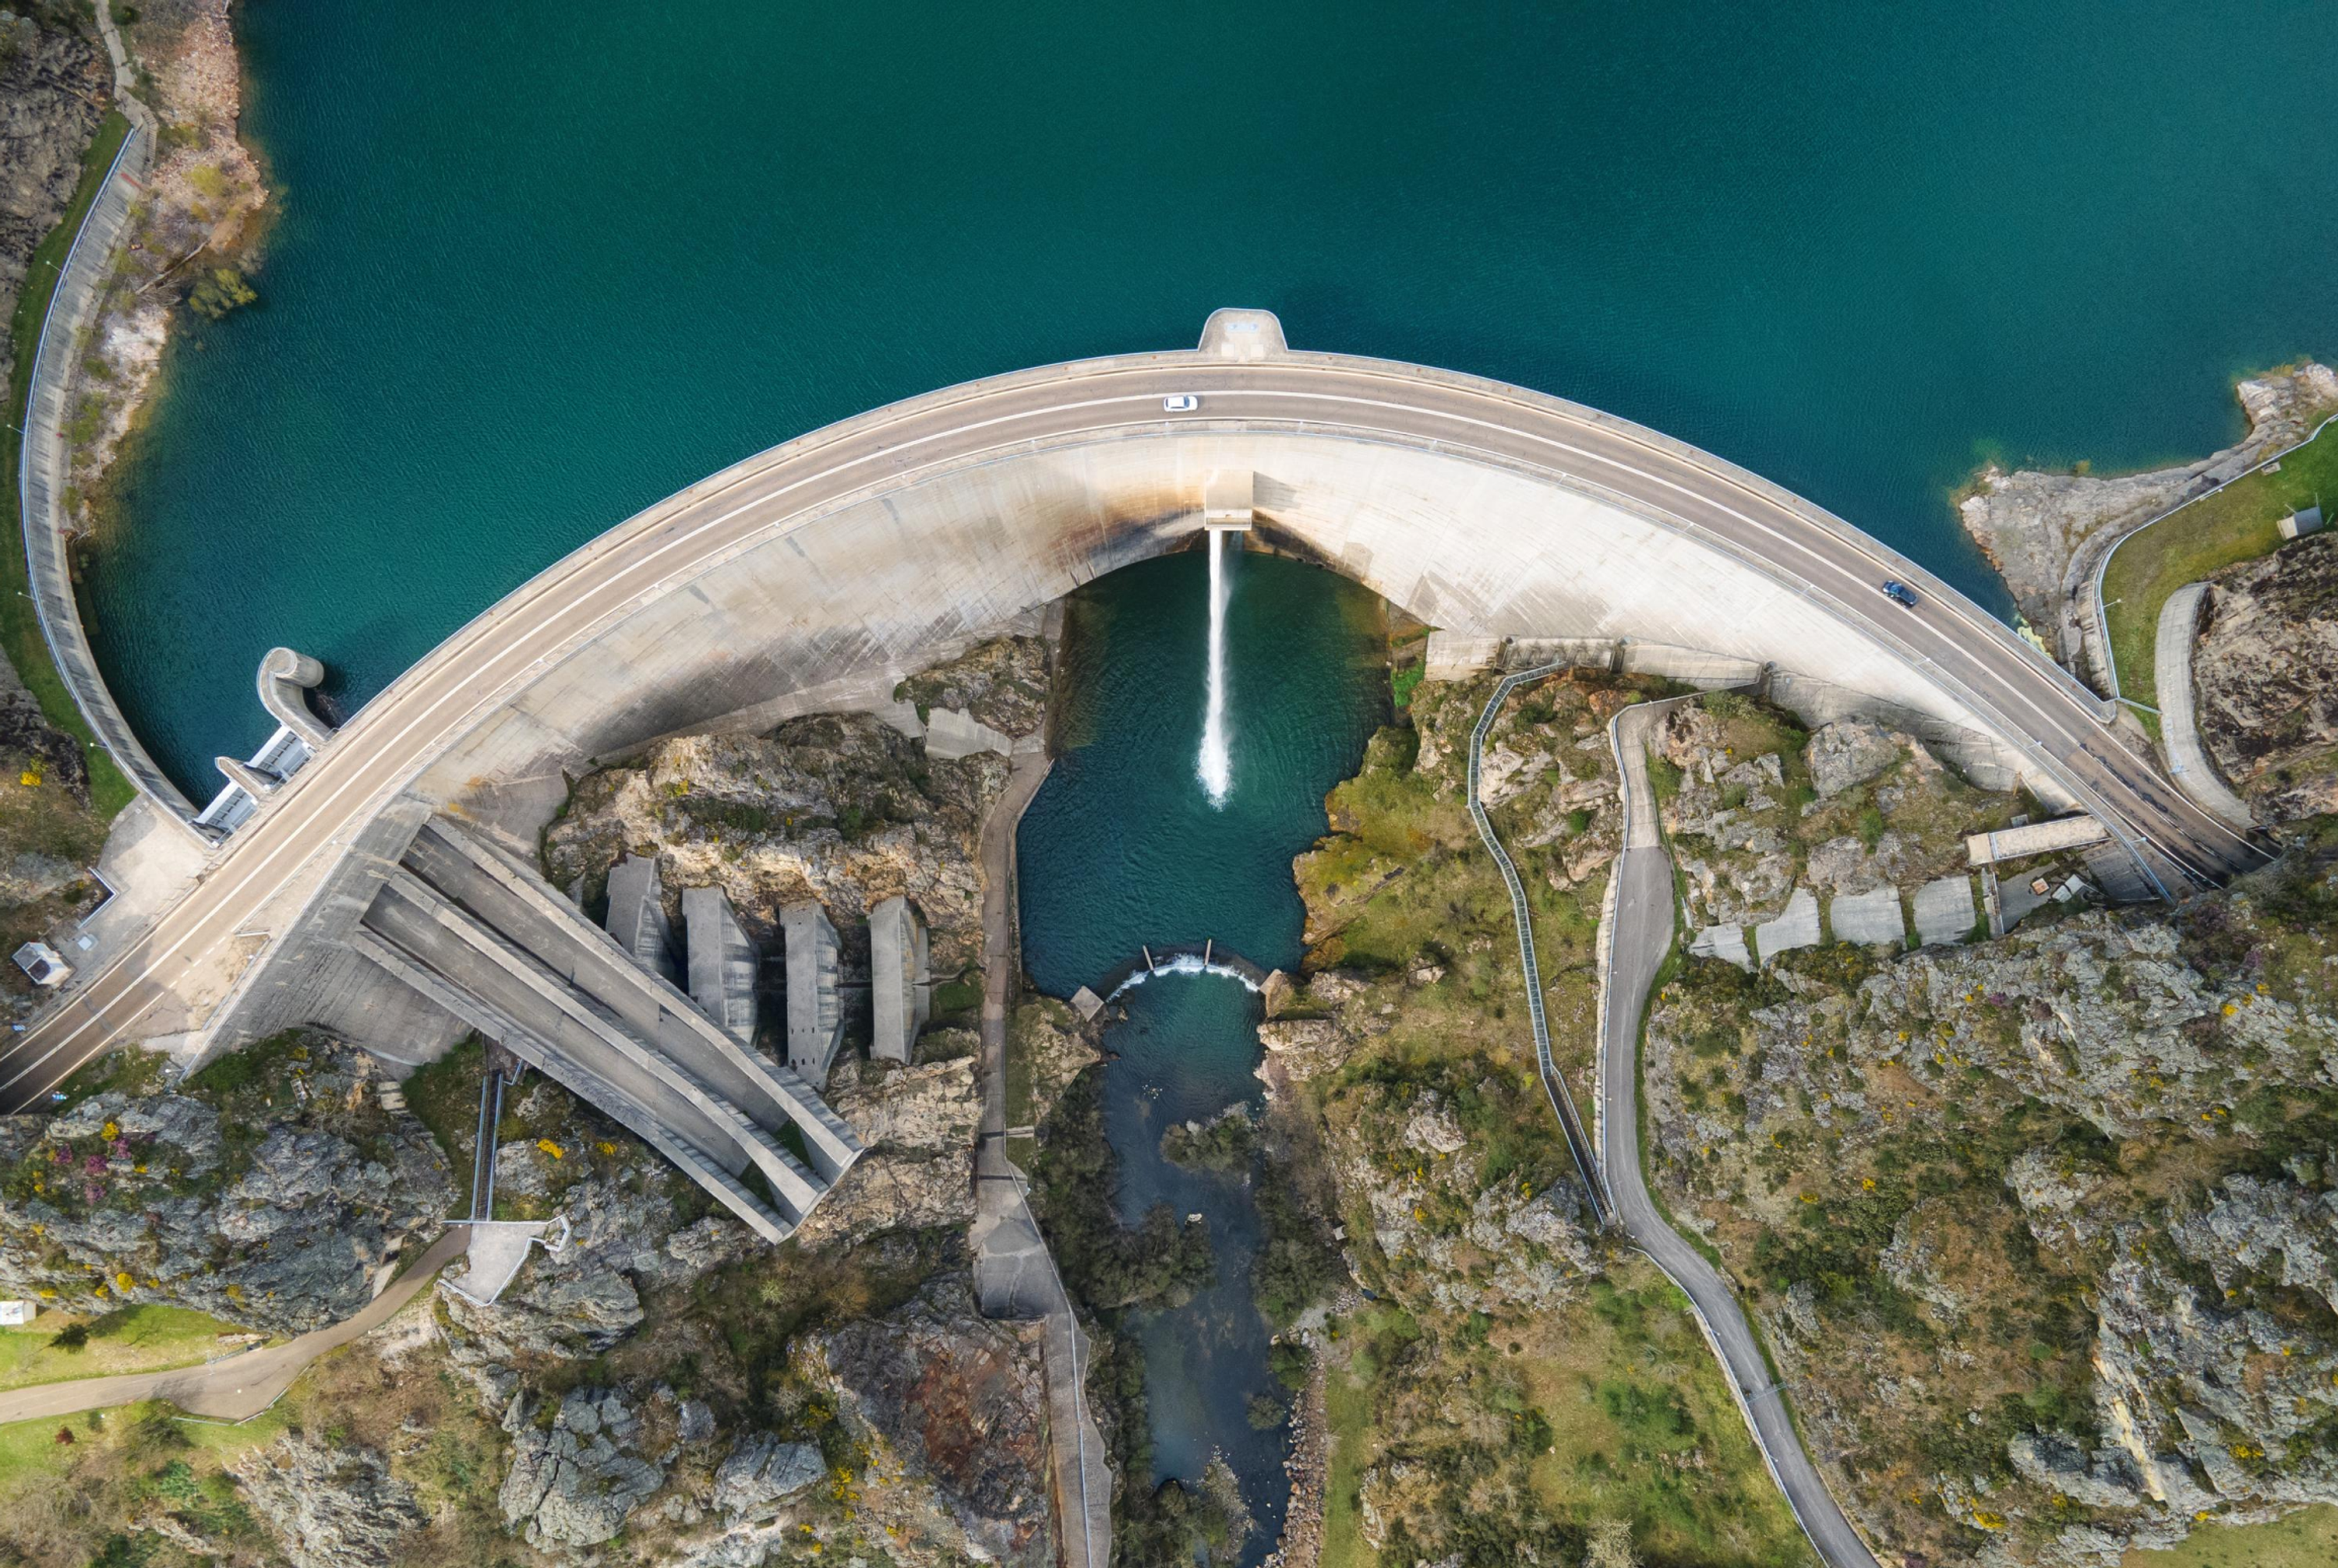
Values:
[(1562, 1102)]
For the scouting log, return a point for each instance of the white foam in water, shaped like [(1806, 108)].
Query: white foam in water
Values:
[(1184, 964), (1215, 769)]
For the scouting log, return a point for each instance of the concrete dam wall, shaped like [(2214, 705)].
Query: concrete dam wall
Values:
[(815, 575)]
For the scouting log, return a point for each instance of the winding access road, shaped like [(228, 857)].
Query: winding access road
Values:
[(1639, 933), (496, 658)]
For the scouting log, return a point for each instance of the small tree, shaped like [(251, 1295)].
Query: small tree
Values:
[(72, 1336)]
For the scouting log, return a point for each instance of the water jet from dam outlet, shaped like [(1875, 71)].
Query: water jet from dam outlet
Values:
[(1214, 767)]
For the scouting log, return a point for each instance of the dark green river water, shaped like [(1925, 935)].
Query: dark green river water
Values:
[(539, 264), (1121, 849)]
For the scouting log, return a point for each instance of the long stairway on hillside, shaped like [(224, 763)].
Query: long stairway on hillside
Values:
[(487, 939)]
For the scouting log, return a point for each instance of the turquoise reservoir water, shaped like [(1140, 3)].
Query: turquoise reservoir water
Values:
[(539, 264), (1122, 848)]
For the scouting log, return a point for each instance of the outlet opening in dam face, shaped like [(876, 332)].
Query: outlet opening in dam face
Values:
[(1125, 849)]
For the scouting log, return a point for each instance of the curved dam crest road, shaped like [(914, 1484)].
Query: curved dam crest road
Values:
[(1950, 645)]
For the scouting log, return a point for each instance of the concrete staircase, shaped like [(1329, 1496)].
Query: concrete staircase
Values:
[(484, 937)]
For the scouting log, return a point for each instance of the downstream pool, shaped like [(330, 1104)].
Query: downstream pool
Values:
[(1124, 849)]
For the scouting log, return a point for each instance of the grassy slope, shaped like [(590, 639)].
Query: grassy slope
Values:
[(138, 1338), (2307, 1539), (20, 627), (2302, 1541), (2235, 524)]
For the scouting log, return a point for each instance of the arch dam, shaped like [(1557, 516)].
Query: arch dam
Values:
[(815, 574)]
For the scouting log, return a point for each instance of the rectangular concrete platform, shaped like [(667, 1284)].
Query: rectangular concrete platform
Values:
[(1945, 911), (1797, 927), (1726, 943), (1869, 918)]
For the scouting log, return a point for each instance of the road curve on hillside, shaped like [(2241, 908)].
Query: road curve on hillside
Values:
[(1639, 933), (502, 653)]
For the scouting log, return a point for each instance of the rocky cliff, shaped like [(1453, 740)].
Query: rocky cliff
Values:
[(270, 1189), (2266, 673), (2034, 1227), (54, 87), (2046, 532)]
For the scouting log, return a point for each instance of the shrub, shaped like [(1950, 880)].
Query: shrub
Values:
[(218, 292)]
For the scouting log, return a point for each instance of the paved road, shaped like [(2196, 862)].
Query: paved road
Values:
[(1639, 934), (242, 1386), (2179, 727), (490, 660)]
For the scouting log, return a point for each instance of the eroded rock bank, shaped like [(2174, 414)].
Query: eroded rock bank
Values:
[(192, 234)]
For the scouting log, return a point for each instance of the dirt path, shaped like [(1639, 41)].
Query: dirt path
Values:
[(242, 1386)]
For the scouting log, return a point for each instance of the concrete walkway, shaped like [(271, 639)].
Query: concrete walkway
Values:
[(1638, 933), (239, 1386), (2179, 727), (1014, 1273)]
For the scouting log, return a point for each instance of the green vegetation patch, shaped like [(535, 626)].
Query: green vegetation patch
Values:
[(57, 1347), (2305, 1539), (2238, 523)]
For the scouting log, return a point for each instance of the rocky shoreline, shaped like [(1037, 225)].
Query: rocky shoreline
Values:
[(2046, 534), (200, 218)]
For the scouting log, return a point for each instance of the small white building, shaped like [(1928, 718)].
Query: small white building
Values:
[(2298, 524), (16, 1314), (44, 964)]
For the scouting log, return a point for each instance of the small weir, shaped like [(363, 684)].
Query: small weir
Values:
[(1188, 960)]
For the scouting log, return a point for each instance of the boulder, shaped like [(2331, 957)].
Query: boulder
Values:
[(329, 1506), (948, 1396), (1848, 752), (576, 1482), (762, 1470)]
